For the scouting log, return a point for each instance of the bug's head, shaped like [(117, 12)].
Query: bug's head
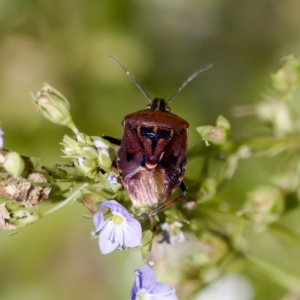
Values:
[(158, 104)]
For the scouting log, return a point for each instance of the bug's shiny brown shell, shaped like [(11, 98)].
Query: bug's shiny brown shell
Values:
[(152, 155)]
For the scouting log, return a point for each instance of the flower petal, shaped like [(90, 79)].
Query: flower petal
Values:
[(116, 207), (119, 230), (146, 287), (148, 278), (107, 239), (99, 220), (132, 233), (164, 292)]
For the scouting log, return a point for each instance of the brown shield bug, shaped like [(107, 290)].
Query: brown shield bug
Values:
[(152, 154)]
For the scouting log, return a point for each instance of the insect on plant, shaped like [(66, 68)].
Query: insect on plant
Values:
[(152, 154)]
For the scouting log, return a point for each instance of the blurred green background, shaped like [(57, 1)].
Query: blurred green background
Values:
[(66, 44)]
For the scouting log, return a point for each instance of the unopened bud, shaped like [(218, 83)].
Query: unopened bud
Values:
[(213, 249), (105, 152), (89, 152), (84, 139), (14, 164), (223, 122), (264, 205), (87, 167), (216, 135), (287, 78), (101, 143), (278, 114), (109, 181), (54, 106), (105, 161)]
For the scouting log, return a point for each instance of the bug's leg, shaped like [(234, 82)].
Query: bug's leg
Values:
[(152, 222), (112, 140), (66, 166), (165, 206)]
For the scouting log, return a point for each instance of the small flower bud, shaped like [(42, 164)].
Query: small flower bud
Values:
[(89, 152), (106, 153), (71, 147), (87, 167), (105, 161), (84, 139), (216, 135), (14, 164), (204, 130), (112, 179), (264, 205), (213, 249), (223, 122), (278, 114), (287, 78), (101, 143), (109, 181), (54, 106)]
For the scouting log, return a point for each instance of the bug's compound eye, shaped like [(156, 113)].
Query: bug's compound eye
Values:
[(148, 106), (168, 108)]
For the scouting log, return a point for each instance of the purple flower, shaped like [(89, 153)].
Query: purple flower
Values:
[(119, 229), (146, 287)]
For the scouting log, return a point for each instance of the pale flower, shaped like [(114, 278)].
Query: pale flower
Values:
[(146, 287), (120, 229)]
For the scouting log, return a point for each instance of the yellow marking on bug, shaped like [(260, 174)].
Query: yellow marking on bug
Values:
[(171, 133), (151, 166)]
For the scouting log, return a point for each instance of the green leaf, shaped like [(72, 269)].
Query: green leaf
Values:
[(146, 243)]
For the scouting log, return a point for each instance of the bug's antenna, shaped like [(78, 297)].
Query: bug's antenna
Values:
[(132, 78), (195, 74)]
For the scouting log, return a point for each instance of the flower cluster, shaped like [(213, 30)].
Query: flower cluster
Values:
[(118, 229), (219, 230), (89, 154)]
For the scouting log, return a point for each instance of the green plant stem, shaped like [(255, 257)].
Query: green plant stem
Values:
[(71, 197), (286, 232), (283, 278)]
